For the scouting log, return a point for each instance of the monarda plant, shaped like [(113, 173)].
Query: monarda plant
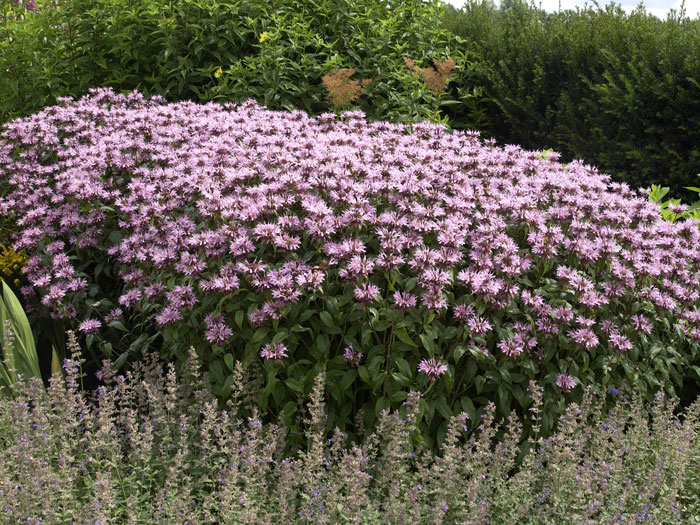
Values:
[(392, 258)]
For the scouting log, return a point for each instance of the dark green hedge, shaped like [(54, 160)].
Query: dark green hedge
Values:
[(618, 90)]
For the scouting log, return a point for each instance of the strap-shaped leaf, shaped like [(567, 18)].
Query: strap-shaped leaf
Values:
[(25, 357)]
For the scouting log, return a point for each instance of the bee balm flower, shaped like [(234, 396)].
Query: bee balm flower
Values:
[(432, 368)]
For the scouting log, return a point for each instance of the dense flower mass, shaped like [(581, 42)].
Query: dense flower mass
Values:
[(219, 202)]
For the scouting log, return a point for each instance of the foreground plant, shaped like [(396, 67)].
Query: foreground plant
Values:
[(148, 447), (396, 258), (17, 351)]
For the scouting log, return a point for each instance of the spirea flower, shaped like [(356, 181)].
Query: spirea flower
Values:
[(432, 368), (274, 352)]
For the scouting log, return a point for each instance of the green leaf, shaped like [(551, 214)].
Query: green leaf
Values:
[(238, 318), (404, 337), (260, 334), (468, 407), (381, 404), (228, 359), (55, 362), (226, 387), (428, 344), (323, 343), (294, 384), (404, 367), (22, 354), (118, 325), (279, 337), (443, 408), (348, 378), (326, 319), (120, 360), (363, 373)]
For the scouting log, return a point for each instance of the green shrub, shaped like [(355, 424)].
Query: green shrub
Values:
[(618, 90), (226, 50)]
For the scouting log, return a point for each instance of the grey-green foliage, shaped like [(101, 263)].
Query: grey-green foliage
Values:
[(619, 90), (275, 51)]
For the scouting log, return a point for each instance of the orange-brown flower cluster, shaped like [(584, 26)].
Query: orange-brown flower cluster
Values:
[(435, 78), (341, 88)]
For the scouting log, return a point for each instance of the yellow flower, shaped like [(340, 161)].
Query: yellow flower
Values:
[(263, 37), (11, 262), (218, 73)]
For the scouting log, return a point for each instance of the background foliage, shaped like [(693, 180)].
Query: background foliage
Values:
[(617, 90), (227, 50)]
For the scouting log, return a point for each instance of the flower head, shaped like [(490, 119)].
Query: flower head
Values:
[(90, 326), (353, 356), (565, 382), (432, 368), (274, 352)]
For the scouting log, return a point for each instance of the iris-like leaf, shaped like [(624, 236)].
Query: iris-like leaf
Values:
[(19, 354)]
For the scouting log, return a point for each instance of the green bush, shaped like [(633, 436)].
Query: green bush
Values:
[(226, 50), (618, 90)]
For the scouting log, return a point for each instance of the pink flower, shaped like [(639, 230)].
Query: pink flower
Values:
[(130, 298), (432, 368), (620, 342), (641, 323), (90, 326), (404, 301), (584, 337), (366, 292), (565, 382), (274, 352), (217, 332), (512, 347), (115, 314), (352, 356)]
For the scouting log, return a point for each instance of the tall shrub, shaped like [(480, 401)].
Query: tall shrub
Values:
[(617, 90), (225, 50)]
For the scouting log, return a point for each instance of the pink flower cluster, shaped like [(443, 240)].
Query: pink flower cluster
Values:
[(225, 198)]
